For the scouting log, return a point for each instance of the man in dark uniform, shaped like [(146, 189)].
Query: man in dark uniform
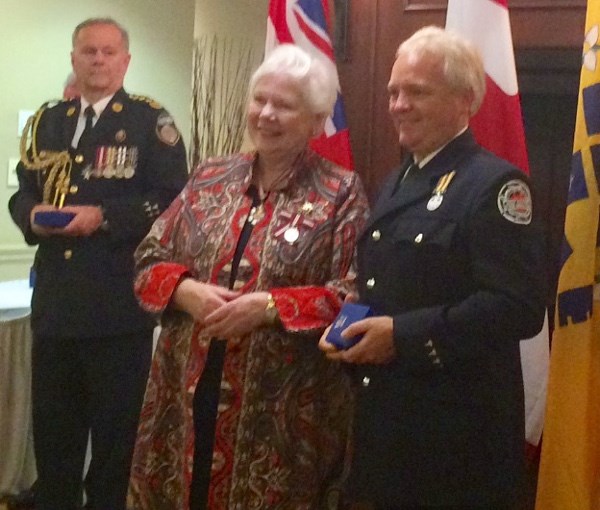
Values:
[(451, 265), (113, 162)]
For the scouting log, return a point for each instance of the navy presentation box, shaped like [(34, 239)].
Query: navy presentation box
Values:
[(56, 219), (350, 313)]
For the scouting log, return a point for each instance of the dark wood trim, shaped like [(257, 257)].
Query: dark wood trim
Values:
[(545, 4), (340, 30), (441, 5), (420, 5), (371, 94)]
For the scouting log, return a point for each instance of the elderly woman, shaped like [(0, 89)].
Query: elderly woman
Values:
[(247, 267)]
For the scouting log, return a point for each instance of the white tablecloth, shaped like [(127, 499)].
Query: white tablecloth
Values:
[(15, 295), (17, 464)]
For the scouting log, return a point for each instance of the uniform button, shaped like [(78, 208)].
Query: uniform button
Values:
[(79, 158), (366, 381), (68, 254), (419, 238), (73, 189), (370, 283), (376, 235)]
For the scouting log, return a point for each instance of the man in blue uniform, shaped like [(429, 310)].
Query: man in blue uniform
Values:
[(450, 263), (110, 162)]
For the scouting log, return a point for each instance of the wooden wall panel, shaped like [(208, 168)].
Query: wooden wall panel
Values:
[(548, 28), (356, 74)]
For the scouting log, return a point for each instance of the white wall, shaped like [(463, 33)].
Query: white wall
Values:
[(34, 62), (241, 22), (234, 18)]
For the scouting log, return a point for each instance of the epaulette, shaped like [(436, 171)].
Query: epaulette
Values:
[(54, 102), (153, 104), (46, 106), (38, 113)]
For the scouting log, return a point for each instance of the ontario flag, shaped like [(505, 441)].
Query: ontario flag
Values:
[(569, 475), (498, 126), (305, 23)]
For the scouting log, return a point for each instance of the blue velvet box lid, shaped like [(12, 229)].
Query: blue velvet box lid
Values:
[(56, 219), (350, 313)]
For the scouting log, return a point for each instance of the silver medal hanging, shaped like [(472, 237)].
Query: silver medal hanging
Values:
[(434, 202), (438, 193), (291, 235)]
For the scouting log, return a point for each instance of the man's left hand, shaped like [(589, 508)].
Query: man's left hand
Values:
[(87, 220), (376, 347)]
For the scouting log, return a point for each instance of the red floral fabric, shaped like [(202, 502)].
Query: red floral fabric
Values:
[(157, 287), (285, 411)]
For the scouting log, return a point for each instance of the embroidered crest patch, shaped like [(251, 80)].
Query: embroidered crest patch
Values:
[(166, 130), (514, 202)]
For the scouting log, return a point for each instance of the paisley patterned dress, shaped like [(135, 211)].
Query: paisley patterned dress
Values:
[(284, 413)]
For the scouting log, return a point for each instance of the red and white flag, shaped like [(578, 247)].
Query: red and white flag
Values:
[(498, 126), (306, 24)]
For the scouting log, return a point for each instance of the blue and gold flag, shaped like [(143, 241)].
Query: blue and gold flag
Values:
[(569, 476)]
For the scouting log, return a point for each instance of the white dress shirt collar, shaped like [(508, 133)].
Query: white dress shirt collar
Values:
[(98, 107), (433, 154)]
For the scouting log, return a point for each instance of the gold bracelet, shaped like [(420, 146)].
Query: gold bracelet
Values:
[(271, 310)]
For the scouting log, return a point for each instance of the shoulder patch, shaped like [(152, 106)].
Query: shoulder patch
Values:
[(514, 202), (166, 130)]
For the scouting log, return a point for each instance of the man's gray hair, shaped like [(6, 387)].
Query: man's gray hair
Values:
[(463, 67), (317, 83), (101, 21)]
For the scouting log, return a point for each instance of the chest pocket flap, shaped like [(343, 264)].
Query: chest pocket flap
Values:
[(426, 232)]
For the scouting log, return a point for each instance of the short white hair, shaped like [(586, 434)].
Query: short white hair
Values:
[(463, 67), (317, 83)]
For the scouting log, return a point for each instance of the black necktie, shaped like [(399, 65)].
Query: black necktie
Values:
[(89, 117), (403, 175)]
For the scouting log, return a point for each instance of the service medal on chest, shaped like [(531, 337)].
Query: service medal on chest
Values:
[(438, 193), (291, 235), (434, 202)]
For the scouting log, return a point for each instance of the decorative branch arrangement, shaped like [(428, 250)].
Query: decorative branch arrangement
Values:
[(221, 71)]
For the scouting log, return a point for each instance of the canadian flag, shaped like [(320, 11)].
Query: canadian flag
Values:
[(498, 126)]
